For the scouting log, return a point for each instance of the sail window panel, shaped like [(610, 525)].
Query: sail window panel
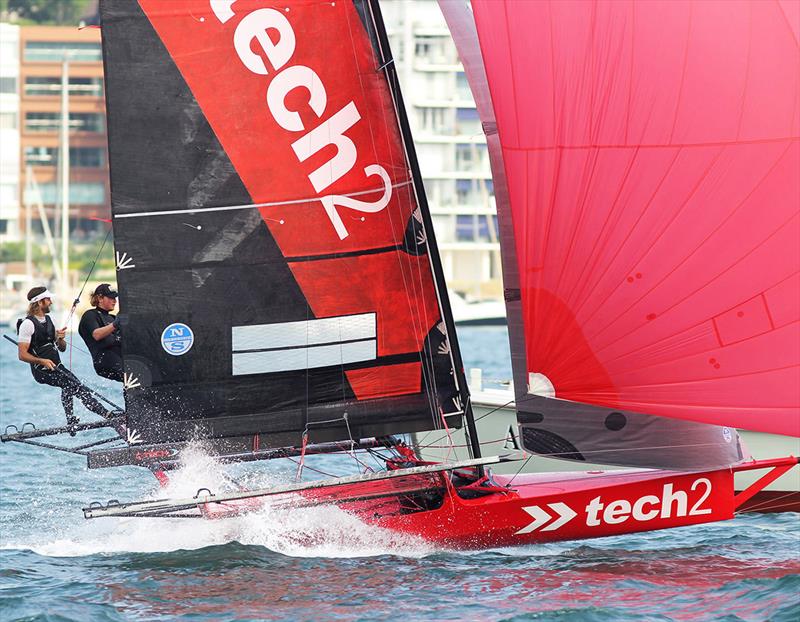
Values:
[(311, 332), (271, 361)]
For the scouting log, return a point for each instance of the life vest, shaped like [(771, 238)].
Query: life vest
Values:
[(43, 340)]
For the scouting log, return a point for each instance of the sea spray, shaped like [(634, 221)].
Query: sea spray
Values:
[(319, 531)]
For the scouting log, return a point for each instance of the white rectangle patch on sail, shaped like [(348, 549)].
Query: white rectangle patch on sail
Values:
[(290, 346), (305, 333)]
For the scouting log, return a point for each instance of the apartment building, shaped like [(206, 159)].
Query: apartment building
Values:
[(9, 133), (450, 145), (449, 139), (47, 54)]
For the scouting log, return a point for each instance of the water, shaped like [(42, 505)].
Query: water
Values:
[(321, 564)]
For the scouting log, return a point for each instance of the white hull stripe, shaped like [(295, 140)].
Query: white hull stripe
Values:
[(289, 346), (226, 208)]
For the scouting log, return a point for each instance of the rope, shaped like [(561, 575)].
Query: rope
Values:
[(77, 300), (301, 464)]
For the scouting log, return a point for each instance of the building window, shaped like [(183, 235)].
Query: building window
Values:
[(3, 226), (8, 84), (462, 86), (434, 49), (81, 157), (432, 119), (79, 194), (470, 157), (473, 191), (467, 122), (443, 226), (78, 87), (8, 194), (466, 191), (57, 51), (51, 122), (465, 227), (476, 228), (8, 120), (9, 51), (87, 157)]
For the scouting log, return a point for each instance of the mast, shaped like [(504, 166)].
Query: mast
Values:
[(64, 276), (387, 64)]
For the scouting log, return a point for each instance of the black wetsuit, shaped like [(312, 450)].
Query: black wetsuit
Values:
[(43, 345), (106, 353)]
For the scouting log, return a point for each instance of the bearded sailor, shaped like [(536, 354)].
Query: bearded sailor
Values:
[(39, 345)]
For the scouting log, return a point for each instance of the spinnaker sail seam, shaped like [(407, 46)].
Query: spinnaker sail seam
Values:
[(687, 257), (718, 143)]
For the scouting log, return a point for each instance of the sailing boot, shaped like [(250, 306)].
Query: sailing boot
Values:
[(72, 421)]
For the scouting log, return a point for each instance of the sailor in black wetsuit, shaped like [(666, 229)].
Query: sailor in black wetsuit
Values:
[(102, 333), (39, 344)]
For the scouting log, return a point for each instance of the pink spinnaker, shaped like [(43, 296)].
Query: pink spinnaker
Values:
[(652, 152)]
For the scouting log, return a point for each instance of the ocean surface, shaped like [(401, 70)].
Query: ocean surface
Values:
[(321, 564)]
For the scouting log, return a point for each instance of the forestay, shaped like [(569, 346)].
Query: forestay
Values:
[(274, 261), (650, 230)]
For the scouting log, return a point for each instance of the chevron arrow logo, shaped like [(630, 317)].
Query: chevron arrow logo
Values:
[(541, 517)]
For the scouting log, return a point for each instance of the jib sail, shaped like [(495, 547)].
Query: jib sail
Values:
[(651, 257), (274, 259)]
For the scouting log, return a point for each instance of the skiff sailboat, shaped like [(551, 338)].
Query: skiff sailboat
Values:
[(284, 295)]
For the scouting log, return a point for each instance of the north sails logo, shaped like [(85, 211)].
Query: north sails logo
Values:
[(270, 30)]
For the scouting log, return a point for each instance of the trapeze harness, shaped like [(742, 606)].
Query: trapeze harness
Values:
[(43, 345), (106, 353)]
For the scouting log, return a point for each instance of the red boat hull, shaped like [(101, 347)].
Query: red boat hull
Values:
[(569, 507), (529, 509)]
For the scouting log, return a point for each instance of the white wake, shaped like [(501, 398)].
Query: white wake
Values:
[(321, 531)]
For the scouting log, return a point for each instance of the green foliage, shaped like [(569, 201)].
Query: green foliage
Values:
[(81, 257), (63, 12), (12, 251)]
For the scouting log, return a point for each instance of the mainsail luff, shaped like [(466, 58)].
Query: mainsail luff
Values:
[(459, 375), (261, 265)]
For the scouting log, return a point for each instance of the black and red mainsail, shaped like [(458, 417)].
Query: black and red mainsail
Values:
[(274, 257)]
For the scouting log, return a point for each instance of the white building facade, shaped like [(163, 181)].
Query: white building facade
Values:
[(9, 133), (450, 145)]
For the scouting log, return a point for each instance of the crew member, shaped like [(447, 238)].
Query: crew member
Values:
[(102, 333), (39, 344)]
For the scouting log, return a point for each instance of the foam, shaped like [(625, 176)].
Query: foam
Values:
[(321, 531)]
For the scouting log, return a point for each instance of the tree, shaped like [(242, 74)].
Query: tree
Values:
[(65, 12)]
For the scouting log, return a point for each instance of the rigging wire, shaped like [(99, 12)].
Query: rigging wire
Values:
[(77, 300)]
